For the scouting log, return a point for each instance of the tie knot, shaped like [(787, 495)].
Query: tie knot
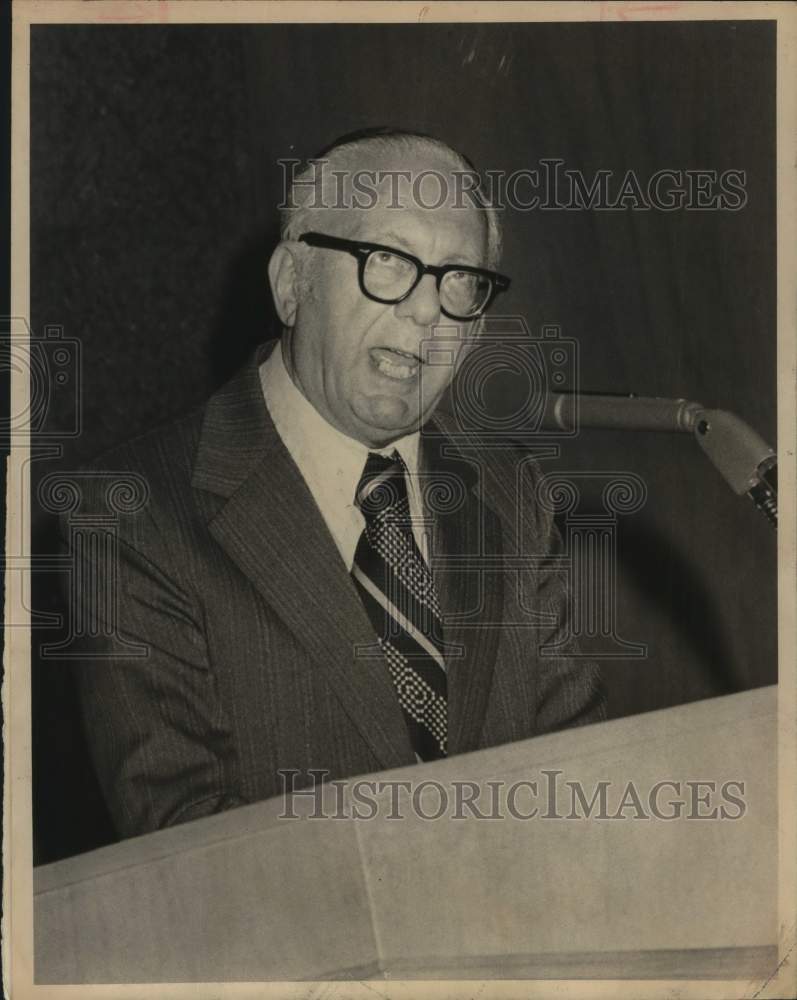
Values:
[(382, 486)]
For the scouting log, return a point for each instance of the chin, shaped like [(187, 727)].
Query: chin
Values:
[(388, 418), (380, 436)]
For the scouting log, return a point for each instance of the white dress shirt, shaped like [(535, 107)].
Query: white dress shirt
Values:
[(330, 462)]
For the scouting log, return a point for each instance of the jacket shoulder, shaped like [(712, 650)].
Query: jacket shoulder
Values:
[(145, 473)]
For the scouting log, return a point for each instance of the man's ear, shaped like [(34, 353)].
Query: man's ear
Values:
[(283, 278)]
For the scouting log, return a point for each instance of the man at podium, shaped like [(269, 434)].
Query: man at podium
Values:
[(328, 576)]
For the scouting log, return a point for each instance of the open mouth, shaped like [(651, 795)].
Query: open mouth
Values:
[(395, 364)]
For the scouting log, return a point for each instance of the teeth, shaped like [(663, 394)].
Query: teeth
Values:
[(394, 370)]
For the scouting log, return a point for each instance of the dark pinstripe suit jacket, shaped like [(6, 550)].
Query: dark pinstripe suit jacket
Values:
[(232, 579)]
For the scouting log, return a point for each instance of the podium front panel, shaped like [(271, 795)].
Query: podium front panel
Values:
[(585, 887)]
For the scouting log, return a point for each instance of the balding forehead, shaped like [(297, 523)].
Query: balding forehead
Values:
[(395, 173), (407, 155), (402, 177)]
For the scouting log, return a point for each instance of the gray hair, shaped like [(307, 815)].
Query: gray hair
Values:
[(311, 185)]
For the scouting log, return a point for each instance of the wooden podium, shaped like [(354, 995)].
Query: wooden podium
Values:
[(253, 895)]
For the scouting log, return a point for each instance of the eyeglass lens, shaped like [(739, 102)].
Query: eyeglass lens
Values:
[(388, 276)]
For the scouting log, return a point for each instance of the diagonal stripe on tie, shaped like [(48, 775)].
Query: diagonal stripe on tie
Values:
[(406, 612), (404, 640), (398, 593)]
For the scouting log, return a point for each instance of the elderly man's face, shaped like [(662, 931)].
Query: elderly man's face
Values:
[(360, 362)]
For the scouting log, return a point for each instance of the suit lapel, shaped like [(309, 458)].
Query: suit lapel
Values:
[(471, 597), (271, 528)]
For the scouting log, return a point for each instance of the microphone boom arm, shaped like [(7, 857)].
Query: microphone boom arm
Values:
[(742, 457)]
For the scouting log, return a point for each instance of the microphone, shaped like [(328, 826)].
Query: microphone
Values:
[(743, 458), (615, 411)]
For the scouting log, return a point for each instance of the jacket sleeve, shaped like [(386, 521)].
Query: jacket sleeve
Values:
[(157, 733), (570, 690)]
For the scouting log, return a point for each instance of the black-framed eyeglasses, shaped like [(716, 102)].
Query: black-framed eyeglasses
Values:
[(390, 276)]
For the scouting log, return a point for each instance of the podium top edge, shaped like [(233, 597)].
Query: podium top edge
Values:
[(737, 711)]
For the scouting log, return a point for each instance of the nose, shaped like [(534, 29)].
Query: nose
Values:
[(423, 305)]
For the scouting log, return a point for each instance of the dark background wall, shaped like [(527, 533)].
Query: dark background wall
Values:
[(154, 181)]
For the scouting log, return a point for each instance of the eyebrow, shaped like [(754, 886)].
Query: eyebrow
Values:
[(393, 238)]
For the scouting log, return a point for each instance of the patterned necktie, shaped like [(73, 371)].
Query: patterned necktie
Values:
[(399, 596)]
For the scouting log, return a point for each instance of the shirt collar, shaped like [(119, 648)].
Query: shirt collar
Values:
[(330, 462)]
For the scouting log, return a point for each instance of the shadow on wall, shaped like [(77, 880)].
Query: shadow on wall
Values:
[(246, 315), (689, 600), (675, 614)]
